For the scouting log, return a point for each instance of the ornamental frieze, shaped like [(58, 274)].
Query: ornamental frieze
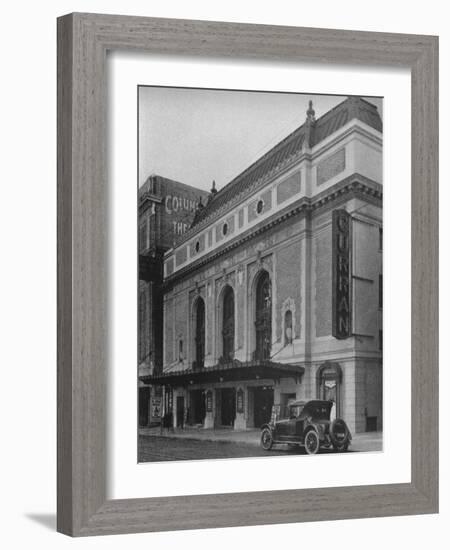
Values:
[(227, 278)]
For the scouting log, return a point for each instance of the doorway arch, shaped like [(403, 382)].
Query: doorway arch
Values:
[(329, 382)]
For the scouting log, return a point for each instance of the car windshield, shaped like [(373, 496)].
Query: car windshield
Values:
[(296, 411), (320, 412)]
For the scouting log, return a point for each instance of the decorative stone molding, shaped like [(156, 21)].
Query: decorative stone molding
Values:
[(355, 185), (196, 294), (240, 275), (227, 278), (264, 263)]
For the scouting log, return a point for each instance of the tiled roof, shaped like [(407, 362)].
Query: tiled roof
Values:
[(330, 122)]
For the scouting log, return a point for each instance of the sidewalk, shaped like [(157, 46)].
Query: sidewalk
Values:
[(367, 441)]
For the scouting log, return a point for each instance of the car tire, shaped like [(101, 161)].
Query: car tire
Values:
[(312, 442), (339, 435), (266, 439), (340, 448)]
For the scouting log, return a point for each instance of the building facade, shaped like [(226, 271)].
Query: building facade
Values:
[(275, 291), (166, 210)]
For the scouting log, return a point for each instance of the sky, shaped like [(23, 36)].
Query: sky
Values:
[(196, 136)]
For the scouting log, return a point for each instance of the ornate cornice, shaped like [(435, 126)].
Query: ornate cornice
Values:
[(355, 185)]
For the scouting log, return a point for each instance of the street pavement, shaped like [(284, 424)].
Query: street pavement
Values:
[(158, 449), (195, 444)]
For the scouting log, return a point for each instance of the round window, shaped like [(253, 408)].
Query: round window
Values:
[(260, 206), (225, 228)]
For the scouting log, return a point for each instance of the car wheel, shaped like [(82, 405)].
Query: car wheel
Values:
[(312, 442), (266, 439), (340, 448)]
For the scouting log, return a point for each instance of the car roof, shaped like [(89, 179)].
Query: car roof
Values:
[(312, 402)]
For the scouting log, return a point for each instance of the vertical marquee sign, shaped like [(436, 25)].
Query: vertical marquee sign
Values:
[(341, 266)]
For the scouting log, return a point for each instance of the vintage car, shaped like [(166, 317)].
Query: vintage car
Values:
[(309, 426)]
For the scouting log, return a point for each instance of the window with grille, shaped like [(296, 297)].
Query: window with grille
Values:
[(288, 327)]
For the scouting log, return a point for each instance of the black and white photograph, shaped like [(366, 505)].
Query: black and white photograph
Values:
[(260, 274), (256, 275), (222, 252)]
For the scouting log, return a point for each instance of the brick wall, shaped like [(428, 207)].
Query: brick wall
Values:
[(181, 316), (241, 217), (348, 395), (168, 330), (288, 284), (181, 255), (331, 166), (369, 394), (144, 324), (322, 244), (288, 187)]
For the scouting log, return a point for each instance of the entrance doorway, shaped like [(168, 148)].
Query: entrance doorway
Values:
[(197, 409), (180, 411), (263, 402), (144, 400), (226, 407)]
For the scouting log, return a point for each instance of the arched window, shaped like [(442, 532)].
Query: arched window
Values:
[(228, 324), (288, 327), (263, 317), (199, 320)]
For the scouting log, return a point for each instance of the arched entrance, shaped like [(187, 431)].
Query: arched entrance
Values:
[(263, 317), (329, 379), (228, 324), (199, 321)]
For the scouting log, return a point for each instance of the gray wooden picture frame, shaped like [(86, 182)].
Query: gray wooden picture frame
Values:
[(83, 41)]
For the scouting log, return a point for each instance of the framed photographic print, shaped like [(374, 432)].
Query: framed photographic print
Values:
[(247, 215), (254, 293)]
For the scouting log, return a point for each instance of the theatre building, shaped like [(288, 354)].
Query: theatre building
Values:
[(166, 211), (275, 291)]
